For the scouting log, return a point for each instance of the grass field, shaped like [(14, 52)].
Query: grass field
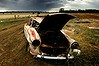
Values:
[(19, 15), (7, 22), (12, 42), (87, 38)]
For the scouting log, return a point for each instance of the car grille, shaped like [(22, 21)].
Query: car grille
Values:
[(53, 50)]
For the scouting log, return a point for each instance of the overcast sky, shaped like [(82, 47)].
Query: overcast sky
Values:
[(47, 5)]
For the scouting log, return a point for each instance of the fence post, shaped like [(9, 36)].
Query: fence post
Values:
[(14, 16)]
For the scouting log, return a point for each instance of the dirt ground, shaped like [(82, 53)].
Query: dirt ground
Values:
[(12, 50)]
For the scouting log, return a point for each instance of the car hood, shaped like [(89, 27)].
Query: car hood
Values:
[(54, 21)]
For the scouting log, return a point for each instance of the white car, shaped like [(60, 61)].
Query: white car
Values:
[(46, 39)]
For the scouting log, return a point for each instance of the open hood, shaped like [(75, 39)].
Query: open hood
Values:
[(54, 21)]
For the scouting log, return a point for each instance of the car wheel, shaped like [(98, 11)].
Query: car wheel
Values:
[(67, 63)]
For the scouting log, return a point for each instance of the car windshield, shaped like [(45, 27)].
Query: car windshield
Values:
[(35, 23)]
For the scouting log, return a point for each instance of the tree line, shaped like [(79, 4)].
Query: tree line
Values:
[(61, 10), (79, 11)]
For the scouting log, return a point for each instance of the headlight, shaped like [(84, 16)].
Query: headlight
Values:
[(74, 45), (36, 43)]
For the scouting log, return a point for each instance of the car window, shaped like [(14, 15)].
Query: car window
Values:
[(34, 23)]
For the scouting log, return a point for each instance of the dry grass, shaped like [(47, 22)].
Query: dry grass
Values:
[(87, 38), (87, 15), (20, 15)]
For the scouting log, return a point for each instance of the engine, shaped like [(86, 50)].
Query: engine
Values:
[(54, 42)]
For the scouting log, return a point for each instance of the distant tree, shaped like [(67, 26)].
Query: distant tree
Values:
[(38, 12), (61, 10), (32, 12)]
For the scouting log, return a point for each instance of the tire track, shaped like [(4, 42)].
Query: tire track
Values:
[(12, 48), (8, 39)]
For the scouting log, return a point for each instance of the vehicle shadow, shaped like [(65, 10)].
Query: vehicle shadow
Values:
[(56, 62)]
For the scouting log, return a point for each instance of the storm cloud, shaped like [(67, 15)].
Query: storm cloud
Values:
[(48, 5), (30, 4)]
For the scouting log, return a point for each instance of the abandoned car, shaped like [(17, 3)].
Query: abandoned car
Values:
[(46, 39)]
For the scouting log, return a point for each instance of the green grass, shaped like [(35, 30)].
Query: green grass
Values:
[(7, 22)]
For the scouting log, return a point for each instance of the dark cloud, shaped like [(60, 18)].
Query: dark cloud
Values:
[(30, 4), (40, 4), (2, 1), (45, 5)]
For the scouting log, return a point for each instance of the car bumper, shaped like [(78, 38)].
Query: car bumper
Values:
[(54, 57)]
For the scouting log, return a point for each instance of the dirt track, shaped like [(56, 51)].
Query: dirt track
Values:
[(12, 47)]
